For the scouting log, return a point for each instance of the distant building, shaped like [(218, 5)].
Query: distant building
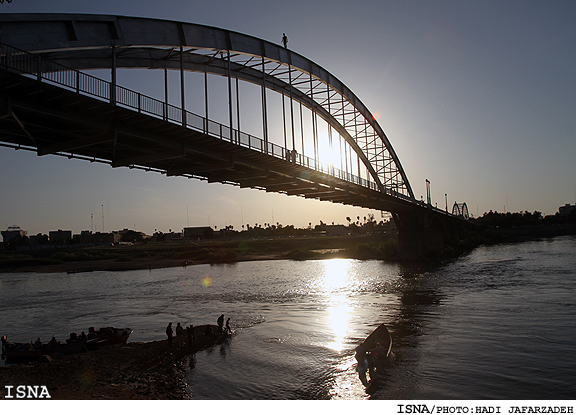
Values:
[(567, 209), (59, 235), (129, 235), (87, 237), (336, 230), (106, 238), (12, 232), (199, 232), (38, 239)]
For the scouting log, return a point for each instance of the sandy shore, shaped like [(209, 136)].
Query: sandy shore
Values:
[(150, 370)]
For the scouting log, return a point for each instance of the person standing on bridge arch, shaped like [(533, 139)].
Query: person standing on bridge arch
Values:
[(285, 40)]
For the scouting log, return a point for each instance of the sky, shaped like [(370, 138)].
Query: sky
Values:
[(478, 97)]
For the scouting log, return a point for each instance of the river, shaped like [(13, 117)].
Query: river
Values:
[(497, 323)]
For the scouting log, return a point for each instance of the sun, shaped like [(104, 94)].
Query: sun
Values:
[(329, 153)]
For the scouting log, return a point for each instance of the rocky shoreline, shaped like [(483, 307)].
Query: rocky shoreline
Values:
[(150, 370)]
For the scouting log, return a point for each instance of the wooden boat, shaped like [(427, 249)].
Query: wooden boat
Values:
[(107, 336), (27, 352), (373, 356), (380, 335), (20, 352)]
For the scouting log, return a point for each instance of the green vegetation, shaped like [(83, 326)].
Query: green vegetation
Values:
[(515, 219), (521, 226)]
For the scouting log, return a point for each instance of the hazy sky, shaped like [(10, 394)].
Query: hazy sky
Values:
[(479, 97)]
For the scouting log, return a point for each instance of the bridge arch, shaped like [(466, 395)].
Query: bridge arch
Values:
[(460, 210), (101, 41)]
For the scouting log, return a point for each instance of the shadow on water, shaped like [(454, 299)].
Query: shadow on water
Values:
[(419, 298)]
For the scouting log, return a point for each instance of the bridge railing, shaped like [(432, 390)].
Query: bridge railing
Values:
[(34, 66)]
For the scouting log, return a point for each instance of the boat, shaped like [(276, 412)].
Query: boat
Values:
[(107, 336), (27, 352), (380, 335), (373, 355)]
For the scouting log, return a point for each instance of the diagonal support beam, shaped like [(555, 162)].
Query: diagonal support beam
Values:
[(24, 128), (150, 158), (71, 145), (202, 168)]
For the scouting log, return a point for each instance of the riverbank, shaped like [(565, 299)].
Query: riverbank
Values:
[(383, 246), (150, 370), (164, 255)]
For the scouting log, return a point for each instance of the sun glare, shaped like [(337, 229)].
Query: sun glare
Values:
[(329, 154)]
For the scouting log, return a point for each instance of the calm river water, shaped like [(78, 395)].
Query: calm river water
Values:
[(498, 323)]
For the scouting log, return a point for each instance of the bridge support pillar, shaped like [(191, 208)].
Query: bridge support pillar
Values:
[(424, 234), (426, 243)]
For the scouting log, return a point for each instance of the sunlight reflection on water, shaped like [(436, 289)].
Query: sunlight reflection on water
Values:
[(335, 278), (338, 316)]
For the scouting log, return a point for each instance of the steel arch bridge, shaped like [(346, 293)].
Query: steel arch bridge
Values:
[(51, 105), (95, 41)]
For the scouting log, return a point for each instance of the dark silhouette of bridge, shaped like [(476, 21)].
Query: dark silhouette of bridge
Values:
[(50, 104)]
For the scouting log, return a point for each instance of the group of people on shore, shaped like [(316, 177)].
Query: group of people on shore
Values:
[(183, 335), (186, 336), (221, 329)]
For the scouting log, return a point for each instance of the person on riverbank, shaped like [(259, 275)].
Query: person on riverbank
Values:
[(191, 337), (221, 324), (228, 328), (362, 365), (179, 335), (53, 341), (169, 333)]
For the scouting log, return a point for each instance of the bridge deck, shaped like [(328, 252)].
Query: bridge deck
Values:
[(52, 120)]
